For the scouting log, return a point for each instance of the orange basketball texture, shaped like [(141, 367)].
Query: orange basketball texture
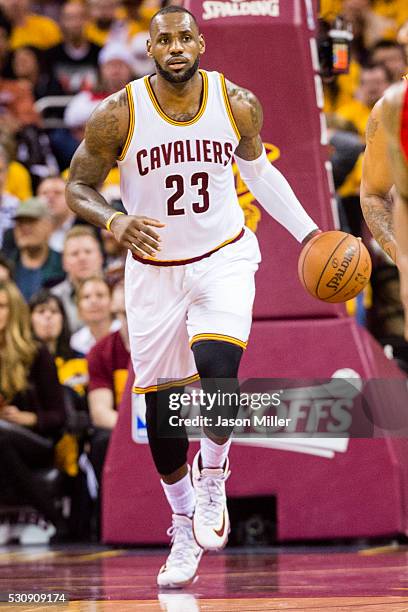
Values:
[(334, 266)]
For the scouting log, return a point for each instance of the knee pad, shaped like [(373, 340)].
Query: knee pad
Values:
[(217, 359), (169, 453)]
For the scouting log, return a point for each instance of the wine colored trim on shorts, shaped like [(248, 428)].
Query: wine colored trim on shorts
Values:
[(220, 338), (171, 383), (182, 262)]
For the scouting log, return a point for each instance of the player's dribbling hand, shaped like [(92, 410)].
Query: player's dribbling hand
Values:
[(135, 234)]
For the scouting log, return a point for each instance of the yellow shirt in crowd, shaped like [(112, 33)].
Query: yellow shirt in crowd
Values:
[(99, 37), (37, 31), (396, 10), (347, 86), (356, 112), (18, 181)]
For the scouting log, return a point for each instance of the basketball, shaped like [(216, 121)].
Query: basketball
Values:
[(334, 266)]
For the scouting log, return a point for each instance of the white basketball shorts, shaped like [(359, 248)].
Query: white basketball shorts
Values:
[(171, 307)]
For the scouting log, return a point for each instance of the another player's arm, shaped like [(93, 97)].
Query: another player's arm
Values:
[(391, 119), (267, 184), (105, 135), (376, 183)]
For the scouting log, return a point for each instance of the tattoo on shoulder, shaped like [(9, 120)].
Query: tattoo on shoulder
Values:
[(107, 127), (243, 100), (103, 131), (372, 126)]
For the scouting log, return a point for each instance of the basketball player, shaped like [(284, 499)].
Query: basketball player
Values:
[(191, 262), (394, 117), (376, 183)]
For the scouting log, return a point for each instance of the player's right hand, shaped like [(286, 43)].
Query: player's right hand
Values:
[(135, 234)]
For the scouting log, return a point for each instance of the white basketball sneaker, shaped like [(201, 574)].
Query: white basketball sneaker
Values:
[(182, 563), (211, 523)]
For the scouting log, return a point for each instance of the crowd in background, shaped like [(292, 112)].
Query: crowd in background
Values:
[(63, 333), (379, 57)]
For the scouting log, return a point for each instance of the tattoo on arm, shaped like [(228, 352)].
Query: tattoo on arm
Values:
[(248, 116), (378, 215), (371, 129), (104, 137)]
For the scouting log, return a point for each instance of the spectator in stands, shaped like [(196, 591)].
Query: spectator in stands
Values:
[(29, 28), (28, 64), (16, 106), (31, 417), (368, 26), (82, 258), (392, 55), (115, 64), (50, 325), (111, 23), (36, 265), (5, 31), (8, 202), (94, 308), (142, 64), (108, 364), (374, 81), (18, 180), (52, 191), (115, 256), (402, 38), (6, 268), (74, 62), (19, 122)]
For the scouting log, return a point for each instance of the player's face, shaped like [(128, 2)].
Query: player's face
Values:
[(175, 47)]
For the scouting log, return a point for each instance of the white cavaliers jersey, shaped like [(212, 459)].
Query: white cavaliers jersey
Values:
[(180, 173)]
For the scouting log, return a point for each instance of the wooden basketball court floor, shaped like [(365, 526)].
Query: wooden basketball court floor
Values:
[(102, 579)]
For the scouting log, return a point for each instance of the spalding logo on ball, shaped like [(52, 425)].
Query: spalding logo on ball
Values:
[(334, 266)]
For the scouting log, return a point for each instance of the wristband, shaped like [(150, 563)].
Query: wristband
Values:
[(111, 218)]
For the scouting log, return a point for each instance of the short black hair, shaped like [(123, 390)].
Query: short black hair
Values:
[(172, 9), (376, 66), (386, 44)]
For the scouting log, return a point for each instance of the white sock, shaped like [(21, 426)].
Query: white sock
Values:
[(181, 495), (213, 455)]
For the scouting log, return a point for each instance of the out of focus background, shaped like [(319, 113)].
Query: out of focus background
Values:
[(58, 60)]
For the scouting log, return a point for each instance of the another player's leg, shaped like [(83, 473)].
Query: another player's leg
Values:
[(217, 363), (170, 457)]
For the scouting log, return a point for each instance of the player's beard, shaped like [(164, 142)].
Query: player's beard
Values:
[(178, 78)]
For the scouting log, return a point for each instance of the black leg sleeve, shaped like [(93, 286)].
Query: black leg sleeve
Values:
[(217, 364), (168, 446)]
